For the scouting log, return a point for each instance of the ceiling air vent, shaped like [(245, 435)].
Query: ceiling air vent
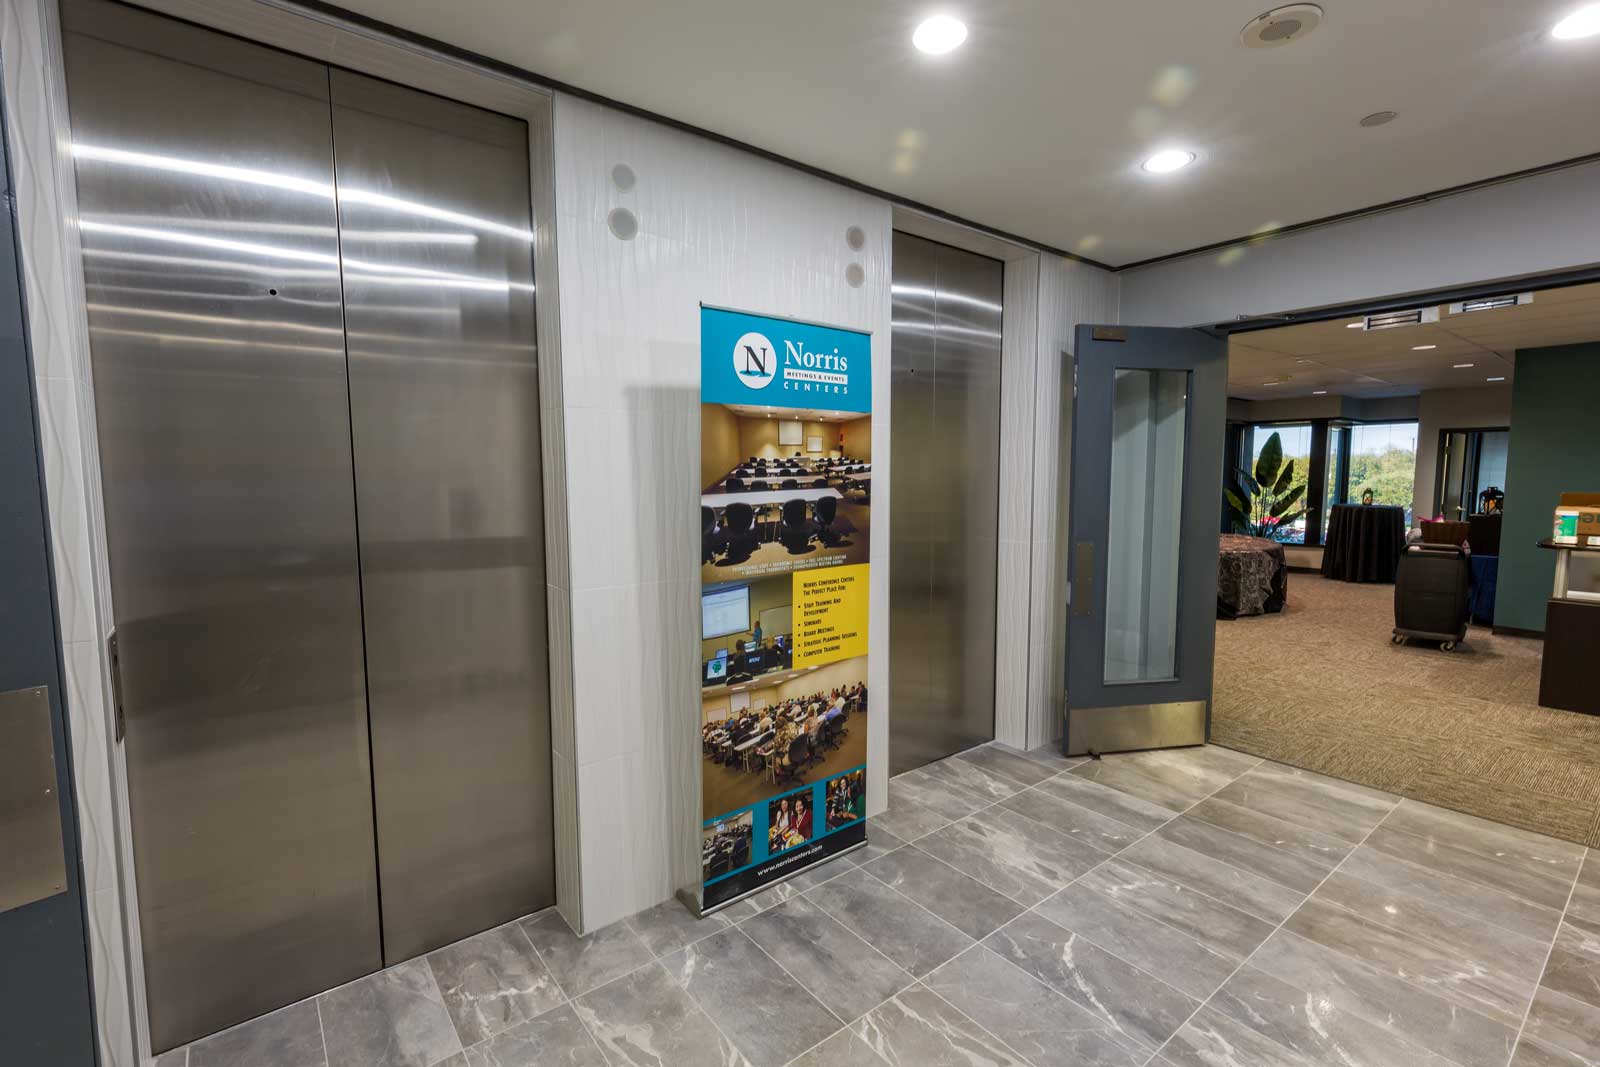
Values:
[(1489, 303), (1391, 319)]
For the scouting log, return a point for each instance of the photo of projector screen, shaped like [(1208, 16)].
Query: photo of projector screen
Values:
[(790, 431), (724, 611), (813, 444)]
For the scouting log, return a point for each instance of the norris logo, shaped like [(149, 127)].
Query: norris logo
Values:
[(754, 361)]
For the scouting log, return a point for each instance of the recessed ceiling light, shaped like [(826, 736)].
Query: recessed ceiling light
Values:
[(1422, 348), (1500, 379), (939, 34), (1168, 160), (1355, 325), (1584, 22), (1463, 366), (1319, 392)]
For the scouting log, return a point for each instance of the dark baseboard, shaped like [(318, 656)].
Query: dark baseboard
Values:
[(1305, 570), (1516, 631)]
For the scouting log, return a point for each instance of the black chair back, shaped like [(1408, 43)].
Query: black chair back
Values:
[(820, 483), (734, 485), (759, 486), (789, 483), (740, 518), (827, 510), (794, 513)]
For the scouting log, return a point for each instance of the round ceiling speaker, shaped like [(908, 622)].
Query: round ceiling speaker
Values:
[(1281, 25)]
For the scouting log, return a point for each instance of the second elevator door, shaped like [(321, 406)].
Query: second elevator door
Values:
[(944, 504), (311, 322)]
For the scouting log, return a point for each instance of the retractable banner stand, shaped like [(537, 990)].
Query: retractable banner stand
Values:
[(785, 510)]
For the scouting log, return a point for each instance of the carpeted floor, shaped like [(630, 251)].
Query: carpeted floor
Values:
[(1320, 686)]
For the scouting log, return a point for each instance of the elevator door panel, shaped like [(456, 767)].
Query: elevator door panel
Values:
[(945, 439), (210, 251), (438, 285)]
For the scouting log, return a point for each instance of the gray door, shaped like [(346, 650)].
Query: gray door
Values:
[(1147, 429), (444, 403), (317, 404), (944, 504), (45, 1005)]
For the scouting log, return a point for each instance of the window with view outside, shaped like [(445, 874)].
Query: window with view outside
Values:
[(1383, 458), (1296, 441)]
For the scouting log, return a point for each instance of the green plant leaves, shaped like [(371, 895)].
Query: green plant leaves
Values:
[(1284, 480), (1285, 502), (1270, 460)]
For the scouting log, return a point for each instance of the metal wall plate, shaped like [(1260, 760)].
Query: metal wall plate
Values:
[(33, 861)]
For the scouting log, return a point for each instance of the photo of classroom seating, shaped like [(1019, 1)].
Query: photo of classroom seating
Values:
[(782, 486), (789, 822), (847, 799), (726, 845), (782, 732)]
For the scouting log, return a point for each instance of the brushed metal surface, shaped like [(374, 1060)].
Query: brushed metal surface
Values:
[(444, 399), (1136, 726), (945, 439), (205, 181), (33, 863)]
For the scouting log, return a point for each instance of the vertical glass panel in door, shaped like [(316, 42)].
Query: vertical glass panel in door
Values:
[(1338, 464), (1149, 415)]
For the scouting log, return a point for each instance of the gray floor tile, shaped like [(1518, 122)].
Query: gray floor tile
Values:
[(919, 805), (1519, 959), (1149, 782), (1483, 904), (1049, 755), (1564, 1025), (844, 1049), (759, 1006), (1138, 1010), (1007, 764), (963, 902), (579, 964), (1308, 800), (1118, 804), (1542, 887), (1218, 880), (1420, 962), (1411, 1012), (395, 1018), (492, 981), (1320, 848), (773, 895), (1289, 870), (669, 926), (1062, 815), (1179, 959), (976, 777), (1012, 854), (1584, 908), (1590, 874), (645, 1019), (846, 974), (1212, 1039), (288, 1037), (1533, 1053), (909, 935), (880, 842), (178, 1057), (1208, 767), (1033, 1019), (1574, 967), (1320, 1032), (555, 1039), (1560, 858), (919, 1028), (1219, 927)]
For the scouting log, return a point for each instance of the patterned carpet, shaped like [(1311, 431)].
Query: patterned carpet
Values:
[(1320, 686)]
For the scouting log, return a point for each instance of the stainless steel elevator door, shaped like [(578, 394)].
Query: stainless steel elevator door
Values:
[(205, 185), (944, 501), (444, 398)]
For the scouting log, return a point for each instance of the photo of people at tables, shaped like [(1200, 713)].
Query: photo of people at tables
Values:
[(788, 822), (726, 844), (847, 799), (781, 732), (782, 488), (747, 632)]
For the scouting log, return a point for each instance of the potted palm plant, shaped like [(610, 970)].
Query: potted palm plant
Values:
[(1263, 503)]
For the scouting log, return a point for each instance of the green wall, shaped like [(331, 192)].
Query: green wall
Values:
[(1555, 448)]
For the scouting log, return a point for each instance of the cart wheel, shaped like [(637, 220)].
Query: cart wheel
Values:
[(1397, 639), (1448, 646)]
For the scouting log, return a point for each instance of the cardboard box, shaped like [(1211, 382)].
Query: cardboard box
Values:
[(1588, 507)]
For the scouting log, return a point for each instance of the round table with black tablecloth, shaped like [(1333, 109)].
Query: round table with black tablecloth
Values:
[(1252, 576), (1364, 542)]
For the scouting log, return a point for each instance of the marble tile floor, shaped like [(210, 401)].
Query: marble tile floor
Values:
[(1186, 908)]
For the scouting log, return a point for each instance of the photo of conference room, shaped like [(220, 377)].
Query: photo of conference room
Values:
[(746, 632), (781, 485), (781, 732), (726, 845)]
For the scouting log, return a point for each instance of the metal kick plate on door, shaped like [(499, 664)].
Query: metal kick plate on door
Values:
[(33, 863)]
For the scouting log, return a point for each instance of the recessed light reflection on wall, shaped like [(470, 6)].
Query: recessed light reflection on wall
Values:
[(1584, 22), (939, 35), (1168, 160)]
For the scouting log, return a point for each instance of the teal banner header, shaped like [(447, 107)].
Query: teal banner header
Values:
[(780, 363)]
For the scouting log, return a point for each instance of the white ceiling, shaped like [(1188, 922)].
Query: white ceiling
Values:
[(1036, 125), (756, 411), (1375, 363)]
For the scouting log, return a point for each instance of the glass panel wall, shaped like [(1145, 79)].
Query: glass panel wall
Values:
[(1296, 441), (1383, 458)]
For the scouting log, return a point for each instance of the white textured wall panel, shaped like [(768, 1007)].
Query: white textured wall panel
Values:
[(721, 227), (1019, 354)]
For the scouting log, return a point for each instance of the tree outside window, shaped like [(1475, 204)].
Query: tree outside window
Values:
[(1383, 458)]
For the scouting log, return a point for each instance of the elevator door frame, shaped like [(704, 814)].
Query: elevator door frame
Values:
[(924, 663), (361, 48)]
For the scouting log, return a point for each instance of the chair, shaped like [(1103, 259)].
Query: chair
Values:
[(794, 529), (738, 526), (799, 754), (733, 485), (708, 529), (759, 486), (827, 511), (789, 483), (820, 483)]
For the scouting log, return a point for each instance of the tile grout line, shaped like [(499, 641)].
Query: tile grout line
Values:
[(568, 1000), (1246, 961), (322, 1032), (1539, 982)]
